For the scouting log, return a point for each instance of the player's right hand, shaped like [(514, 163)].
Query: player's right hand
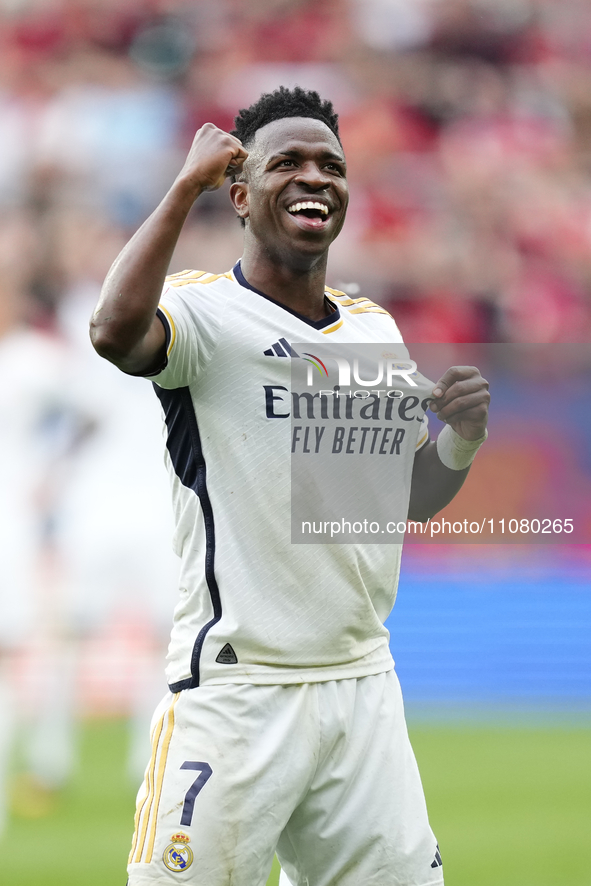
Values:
[(214, 156)]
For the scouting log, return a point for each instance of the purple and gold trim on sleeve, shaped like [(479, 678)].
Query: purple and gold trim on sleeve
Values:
[(170, 333), (169, 328)]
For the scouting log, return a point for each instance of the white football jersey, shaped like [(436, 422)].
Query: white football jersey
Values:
[(253, 607)]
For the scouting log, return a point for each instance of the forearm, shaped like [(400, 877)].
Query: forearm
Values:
[(124, 328), (132, 289), (433, 484)]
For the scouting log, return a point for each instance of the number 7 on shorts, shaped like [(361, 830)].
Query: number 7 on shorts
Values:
[(205, 771)]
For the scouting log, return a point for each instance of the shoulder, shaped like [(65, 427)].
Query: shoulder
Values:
[(197, 301), (198, 278), (355, 305), (198, 291), (366, 316)]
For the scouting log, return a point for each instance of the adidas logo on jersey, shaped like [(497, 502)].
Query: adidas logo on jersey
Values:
[(227, 655), (437, 863), (281, 348)]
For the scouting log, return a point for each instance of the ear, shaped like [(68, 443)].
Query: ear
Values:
[(239, 198)]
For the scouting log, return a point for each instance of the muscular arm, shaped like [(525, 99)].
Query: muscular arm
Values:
[(461, 399), (124, 328), (433, 485)]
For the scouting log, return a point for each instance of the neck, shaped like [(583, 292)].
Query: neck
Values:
[(297, 286)]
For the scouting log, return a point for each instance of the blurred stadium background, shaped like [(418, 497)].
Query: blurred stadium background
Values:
[(467, 127)]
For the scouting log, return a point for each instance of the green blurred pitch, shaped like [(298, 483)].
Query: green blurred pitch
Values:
[(508, 806)]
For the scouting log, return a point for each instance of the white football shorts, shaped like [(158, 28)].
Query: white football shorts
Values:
[(321, 773)]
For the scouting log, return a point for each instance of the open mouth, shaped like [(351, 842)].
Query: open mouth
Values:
[(310, 213)]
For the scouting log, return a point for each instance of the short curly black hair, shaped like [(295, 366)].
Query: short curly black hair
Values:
[(283, 102)]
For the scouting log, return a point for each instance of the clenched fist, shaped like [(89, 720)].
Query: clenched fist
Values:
[(461, 399), (214, 156)]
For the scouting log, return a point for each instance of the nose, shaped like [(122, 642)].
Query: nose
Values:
[(312, 175)]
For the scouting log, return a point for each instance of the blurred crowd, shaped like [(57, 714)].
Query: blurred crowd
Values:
[(467, 128), (466, 123)]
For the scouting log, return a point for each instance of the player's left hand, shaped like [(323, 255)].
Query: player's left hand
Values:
[(461, 400)]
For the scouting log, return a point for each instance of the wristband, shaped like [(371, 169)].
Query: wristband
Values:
[(455, 452)]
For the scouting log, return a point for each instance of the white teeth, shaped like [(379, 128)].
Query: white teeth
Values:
[(309, 204)]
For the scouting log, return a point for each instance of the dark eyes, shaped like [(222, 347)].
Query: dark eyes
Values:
[(332, 167)]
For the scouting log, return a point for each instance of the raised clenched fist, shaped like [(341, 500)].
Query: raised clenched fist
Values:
[(214, 155)]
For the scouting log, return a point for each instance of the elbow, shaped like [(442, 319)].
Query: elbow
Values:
[(105, 344), (425, 506), (100, 342), (421, 515)]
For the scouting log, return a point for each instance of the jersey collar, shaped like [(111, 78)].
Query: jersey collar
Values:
[(315, 324)]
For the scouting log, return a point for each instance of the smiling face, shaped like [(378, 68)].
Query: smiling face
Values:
[(293, 194)]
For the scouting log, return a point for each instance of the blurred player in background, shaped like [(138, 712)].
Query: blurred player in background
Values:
[(70, 570), (46, 426), (114, 515), (284, 728)]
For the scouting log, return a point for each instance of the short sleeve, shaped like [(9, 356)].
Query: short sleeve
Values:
[(192, 319)]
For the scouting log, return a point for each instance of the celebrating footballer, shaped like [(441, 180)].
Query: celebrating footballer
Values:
[(283, 730)]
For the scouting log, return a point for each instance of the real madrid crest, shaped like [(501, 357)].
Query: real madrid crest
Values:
[(177, 855)]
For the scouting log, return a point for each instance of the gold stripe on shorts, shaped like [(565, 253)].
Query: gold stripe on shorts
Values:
[(149, 781), (160, 777), (153, 784)]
